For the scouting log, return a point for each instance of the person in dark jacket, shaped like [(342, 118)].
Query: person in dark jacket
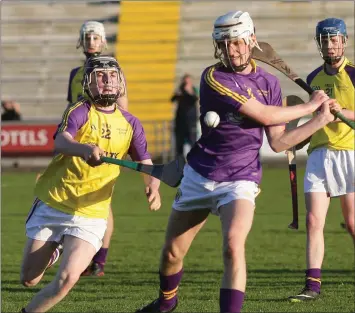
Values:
[(186, 117)]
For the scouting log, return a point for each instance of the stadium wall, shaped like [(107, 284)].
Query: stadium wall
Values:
[(156, 44)]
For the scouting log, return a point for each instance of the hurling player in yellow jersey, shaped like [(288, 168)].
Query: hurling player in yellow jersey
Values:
[(74, 192), (92, 39), (330, 166)]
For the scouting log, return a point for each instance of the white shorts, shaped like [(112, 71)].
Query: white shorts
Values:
[(197, 192), (330, 171), (48, 224)]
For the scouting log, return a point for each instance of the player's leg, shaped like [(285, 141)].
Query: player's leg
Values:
[(317, 203), (82, 239), (236, 221), (348, 208), (182, 229), (346, 175), (41, 249), (96, 267), (317, 207), (77, 254), (186, 219), (36, 258)]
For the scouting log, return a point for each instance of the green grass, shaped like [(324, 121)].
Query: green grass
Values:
[(275, 254)]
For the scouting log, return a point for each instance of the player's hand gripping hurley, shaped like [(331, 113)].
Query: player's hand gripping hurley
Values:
[(270, 57)]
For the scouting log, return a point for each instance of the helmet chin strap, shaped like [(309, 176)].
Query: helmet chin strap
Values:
[(105, 100), (89, 55), (332, 60), (241, 67)]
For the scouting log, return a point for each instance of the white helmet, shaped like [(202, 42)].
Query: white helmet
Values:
[(233, 25), (93, 27)]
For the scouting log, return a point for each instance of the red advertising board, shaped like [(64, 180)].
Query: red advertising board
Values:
[(27, 139)]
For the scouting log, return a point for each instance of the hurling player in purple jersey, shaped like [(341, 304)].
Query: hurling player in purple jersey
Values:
[(223, 170)]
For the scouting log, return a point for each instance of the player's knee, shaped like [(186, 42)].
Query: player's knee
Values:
[(27, 282), (29, 278), (350, 227), (313, 223), (66, 282), (233, 250), (172, 256)]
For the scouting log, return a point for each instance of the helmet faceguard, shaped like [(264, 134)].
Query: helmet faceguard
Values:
[(92, 38), (235, 32), (331, 38), (103, 80)]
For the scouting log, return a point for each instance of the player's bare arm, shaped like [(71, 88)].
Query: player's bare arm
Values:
[(64, 143), (269, 114), (348, 114), (280, 139), (336, 107), (303, 143), (152, 188)]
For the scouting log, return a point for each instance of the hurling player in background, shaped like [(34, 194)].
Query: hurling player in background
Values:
[(73, 195), (330, 165), (93, 41), (224, 170)]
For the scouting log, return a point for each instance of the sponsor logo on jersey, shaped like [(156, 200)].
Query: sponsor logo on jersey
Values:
[(234, 118)]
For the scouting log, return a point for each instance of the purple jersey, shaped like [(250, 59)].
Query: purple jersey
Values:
[(230, 152)]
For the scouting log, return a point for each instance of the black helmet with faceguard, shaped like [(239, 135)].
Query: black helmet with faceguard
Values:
[(103, 80)]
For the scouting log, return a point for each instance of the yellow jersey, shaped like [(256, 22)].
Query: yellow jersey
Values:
[(75, 86), (69, 184), (341, 86)]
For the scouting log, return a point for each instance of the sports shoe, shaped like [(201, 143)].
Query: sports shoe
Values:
[(55, 256), (94, 269), (305, 295), (154, 307)]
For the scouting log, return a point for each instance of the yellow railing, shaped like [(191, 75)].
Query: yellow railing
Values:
[(148, 33)]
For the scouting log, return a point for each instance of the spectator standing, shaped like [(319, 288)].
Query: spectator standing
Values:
[(186, 115)]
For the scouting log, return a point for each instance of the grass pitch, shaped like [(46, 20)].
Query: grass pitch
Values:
[(275, 254)]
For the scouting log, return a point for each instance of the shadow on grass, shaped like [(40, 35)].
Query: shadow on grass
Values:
[(19, 289), (302, 231), (287, 270), (267, 300)]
